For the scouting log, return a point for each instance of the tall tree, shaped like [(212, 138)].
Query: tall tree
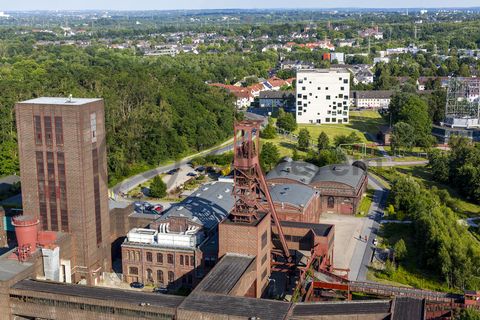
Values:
[(323, 141), (304, 139), (269, 156)]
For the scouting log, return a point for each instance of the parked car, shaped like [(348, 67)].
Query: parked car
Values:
[(375, 242), (163, 290), (200, 169), (158, 208), (137, 285), (191, 174), (173, 171)]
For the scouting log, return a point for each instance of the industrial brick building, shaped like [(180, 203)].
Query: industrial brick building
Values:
[(181, 246), (63, 167), (340, 187)]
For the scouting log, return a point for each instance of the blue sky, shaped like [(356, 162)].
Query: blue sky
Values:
[(211, 4)]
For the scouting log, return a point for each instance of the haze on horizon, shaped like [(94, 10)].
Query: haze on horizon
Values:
[(225, 4)]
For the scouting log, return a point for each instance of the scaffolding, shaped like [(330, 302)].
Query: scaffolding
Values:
[(462, 108)]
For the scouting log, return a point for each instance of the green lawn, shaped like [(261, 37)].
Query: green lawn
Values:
[(285, 146), (366, 202), (361, 122)]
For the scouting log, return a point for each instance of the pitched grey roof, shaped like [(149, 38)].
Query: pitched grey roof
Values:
[(300, 171), (276, 94), (346, 174), (373, 94), (308, 173), (223, 277), (207, 206), (237, 307), (296, 194), (109, 294), (320, 229), (339, 308)]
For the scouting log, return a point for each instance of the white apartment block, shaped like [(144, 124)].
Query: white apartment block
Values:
[(323, 96)]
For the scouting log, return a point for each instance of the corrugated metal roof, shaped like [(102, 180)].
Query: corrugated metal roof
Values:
[(342, 308), (241, 307), (126, 296), (296, 194), (207, 206), (223, 277)]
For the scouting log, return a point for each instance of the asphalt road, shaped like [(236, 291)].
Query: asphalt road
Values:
[(364, 250), (130, 183)]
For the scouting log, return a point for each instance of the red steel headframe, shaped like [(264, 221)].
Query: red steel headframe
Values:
[(250, 188)]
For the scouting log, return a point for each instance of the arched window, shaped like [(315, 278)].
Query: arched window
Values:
[(130, 255), (137, 256), (171, 276), (160, 276), (187, 260), (170, 258), (149, 275), (149, 257), (331, 202), (181, 260), (159, 258)]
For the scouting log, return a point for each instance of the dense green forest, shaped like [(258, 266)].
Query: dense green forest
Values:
[(156, 109), (459, 167), (444, 247)]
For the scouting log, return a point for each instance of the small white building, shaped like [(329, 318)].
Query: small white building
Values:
[(322, 96), (372, 99)]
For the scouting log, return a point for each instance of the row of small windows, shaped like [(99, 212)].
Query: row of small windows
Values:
[(185, 260), (48, 130), (93, 308), (160, 279)]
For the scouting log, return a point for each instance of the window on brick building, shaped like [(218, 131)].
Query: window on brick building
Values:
[(160, 276), (170, 258), (38, 130), (181, 260), (149, 275), (171, 276), (192, 261), (187, 260), (133, 270), (159, 258), (137, 256), (149, 257), (264, 239)]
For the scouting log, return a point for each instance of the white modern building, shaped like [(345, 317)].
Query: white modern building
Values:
[(322, 96)]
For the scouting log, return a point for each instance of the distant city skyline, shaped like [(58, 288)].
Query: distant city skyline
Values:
[(224, 4)]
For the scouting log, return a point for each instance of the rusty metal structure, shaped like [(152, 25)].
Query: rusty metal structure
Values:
[(250, 191)]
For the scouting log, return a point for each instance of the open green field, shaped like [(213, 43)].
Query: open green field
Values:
[(285, 146), (365, 123)]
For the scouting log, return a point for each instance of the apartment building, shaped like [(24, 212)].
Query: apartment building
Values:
[(322, 96)]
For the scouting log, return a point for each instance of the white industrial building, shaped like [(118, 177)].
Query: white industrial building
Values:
[(323, 96)]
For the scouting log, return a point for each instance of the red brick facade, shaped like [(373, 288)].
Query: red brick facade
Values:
[(63, 165), (249, 239)]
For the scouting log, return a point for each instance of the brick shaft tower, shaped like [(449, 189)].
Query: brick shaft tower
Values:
[(63, 169), (248, 228)]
